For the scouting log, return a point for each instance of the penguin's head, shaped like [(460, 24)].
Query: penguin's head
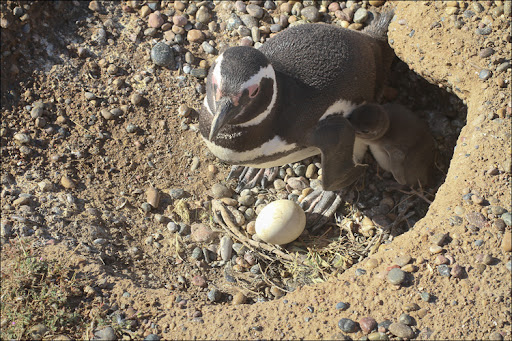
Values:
[(241, 89), (370, 121)]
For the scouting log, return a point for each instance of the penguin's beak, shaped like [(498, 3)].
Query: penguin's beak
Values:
[(222, 116)]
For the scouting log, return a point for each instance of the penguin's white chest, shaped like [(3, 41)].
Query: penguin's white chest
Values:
[(275, 152)]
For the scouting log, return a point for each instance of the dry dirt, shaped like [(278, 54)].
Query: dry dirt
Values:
[(111, 168)]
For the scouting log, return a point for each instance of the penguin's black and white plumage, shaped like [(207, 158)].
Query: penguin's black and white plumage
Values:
[(288, 100), (399, 140)]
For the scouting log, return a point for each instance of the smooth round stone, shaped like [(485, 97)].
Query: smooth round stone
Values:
[(509, 265), (396, 276), (203, 15), (246, 200), (197, 253), (221, 191), (226, 248), (360, 15), (208, 48), (255, 11), (300, 170), (484, 31), (347, 325), (238, 298), (401, 330), (484, 74), (444, 270), (411, 307), (342, 306), (360, 272), (479, 242), (176, 193), (507, 218), (378, 336), (280, 222), (372, 263), (367, 324), (152, 337), (162, 54), (402, 260), (106, 333), (435, 249), (173, 227), (484, 53), (310, 13), (274, 28), (406, 319), (214, 295), (384, 325)]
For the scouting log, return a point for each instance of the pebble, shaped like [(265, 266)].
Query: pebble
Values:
[(179, 20), (21, 138), (136, 98), (484, 53), (255, 11), (162, 55), (360, 272), (496, 336), (507, 218), (246, 200), (378, 336), (503, 66), (402, 260), (214, 295), (457, 271), (360, 15), (153, 196), (201, 233), (509, 265), (372, 263), (484, 31), (221, 191), (479, 242), (197, 253), (208, 48), (203, 15), (176, 193), (310, 13), (67, 182), (434, 249), (194, 165), (411, 307), (384, 326), (484, 74), (347, 325), (238, 298), (195, 36), (444, 270), (225, 248), (152, 337), (155, 19), (506, 243), (173, 227), (396, 276), (367, 324), (106, 333), (439, 239), (342, 306), (199, 281), (406, 319), (401, 330), (37, 332)]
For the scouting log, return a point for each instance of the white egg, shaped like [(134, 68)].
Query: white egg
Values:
[(280, 222)]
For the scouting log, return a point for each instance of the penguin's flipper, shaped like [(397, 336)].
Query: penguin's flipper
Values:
[(334, 136), (397, 158)]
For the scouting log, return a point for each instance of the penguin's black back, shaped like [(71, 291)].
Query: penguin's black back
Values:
[(329, 60)]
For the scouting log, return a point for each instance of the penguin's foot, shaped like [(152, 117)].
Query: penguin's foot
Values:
[(320, 206), (249, 177)]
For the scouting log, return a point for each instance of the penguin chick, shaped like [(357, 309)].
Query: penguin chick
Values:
[(400, 141)]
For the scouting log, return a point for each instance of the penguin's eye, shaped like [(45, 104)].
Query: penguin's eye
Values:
[(253, 91)]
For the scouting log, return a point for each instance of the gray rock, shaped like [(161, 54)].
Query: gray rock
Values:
[(507, 218), (310, 13), (221, 191), (249, 21), (246, 200), (406, 319), (360, 16), (255, 11), (162, 55), (226, 248), (484, 74), (233, 22), (396, 276), (503, 66), (176, 193), (347, 325), (208, 48), (107, 334), (401, 330), (214, 295), (203, 15), (152, 337)]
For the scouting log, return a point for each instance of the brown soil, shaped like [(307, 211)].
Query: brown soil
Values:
[(110, 167)]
